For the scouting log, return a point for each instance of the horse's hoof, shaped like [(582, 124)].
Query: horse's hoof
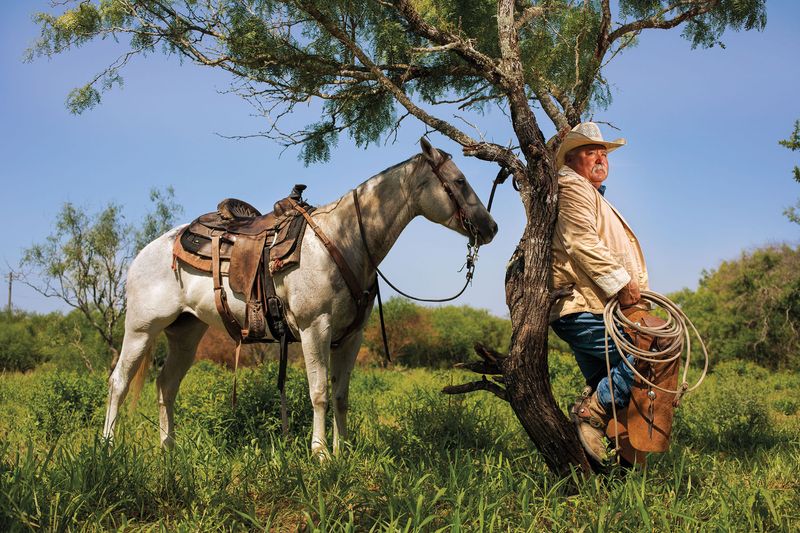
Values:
[(320, 451)]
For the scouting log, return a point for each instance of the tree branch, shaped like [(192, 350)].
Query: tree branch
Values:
[(523, 120), (492, 361), (527, 15), (472, 386), (484, 64), (658, 22), (482, 150), (605, 25)]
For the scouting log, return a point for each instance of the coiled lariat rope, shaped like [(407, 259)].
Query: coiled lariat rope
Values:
[(675, 336)]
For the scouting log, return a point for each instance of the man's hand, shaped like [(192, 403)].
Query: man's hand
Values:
[(629, 294)]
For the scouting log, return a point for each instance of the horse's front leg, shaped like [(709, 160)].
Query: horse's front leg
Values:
[(343, 359), (316, 340)]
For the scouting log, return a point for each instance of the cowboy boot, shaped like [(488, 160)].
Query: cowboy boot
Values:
[(591, 419)]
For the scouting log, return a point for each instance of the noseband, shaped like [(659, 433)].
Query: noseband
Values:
[(461, 212)]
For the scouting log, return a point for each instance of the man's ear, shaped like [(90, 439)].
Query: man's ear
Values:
[(430, 153)]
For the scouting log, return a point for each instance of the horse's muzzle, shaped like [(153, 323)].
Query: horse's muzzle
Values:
[(485, 234)]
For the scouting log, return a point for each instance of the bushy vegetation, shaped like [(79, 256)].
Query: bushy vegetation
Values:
[(434, 336), (734, 414), (18, 350), (65, 401), (65, 341), (207, 401), (417, 460), (749, 308)]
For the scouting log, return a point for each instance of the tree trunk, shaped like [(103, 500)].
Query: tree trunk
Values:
[(528, 297)]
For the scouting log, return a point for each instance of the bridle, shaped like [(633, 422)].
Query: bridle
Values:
[(466, 223)]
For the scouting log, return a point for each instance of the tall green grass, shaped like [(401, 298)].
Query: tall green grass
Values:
[(417, 461)]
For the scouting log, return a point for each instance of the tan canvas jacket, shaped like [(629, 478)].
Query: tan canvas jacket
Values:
[(593, 248)]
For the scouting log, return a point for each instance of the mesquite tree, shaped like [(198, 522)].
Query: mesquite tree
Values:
[(85, 259), (374, 63)]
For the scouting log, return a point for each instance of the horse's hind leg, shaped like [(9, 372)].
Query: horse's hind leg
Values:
[(137, 347), (343, 359), (183, 336)]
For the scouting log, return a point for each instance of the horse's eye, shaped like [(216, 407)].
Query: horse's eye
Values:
[(461, 181)]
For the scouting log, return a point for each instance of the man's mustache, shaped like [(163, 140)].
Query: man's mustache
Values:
[(599, 168)]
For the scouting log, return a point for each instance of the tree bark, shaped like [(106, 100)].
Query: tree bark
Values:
[(525, 371)]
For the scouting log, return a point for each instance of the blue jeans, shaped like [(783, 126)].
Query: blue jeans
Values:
[(585, 333)]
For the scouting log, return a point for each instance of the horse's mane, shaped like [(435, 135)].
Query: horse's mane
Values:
[(331, 206), (401, 163)]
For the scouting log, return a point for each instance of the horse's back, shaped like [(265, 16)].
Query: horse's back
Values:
[(152, 287)]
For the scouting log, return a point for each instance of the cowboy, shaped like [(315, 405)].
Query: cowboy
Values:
[(595, 251)]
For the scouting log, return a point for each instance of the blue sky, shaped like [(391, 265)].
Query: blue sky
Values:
[(701, 179)]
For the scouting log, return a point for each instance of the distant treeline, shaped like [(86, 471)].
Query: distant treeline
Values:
[(433, 336), (747, 308)]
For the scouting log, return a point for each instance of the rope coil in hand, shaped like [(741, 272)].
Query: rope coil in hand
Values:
[(675, 335)]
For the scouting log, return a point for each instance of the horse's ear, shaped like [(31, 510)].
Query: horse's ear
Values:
[(430, 153)]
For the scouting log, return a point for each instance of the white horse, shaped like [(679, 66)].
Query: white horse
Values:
[(319, 306)]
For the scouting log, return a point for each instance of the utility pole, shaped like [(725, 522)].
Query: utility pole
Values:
[(10, 283)]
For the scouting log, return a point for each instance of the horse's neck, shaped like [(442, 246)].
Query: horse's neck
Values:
[(386, 210)]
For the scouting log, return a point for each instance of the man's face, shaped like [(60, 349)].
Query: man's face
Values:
[(591, 162)]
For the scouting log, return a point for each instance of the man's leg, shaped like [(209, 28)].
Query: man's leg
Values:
[(586, 335)]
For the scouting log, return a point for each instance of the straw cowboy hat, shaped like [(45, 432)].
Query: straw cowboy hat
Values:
[(581, 135)]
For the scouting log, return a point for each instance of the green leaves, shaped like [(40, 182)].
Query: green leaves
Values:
[(749, 308), (163, 216), (793, 144), (83, 262), (706, 30), (438, 336), (284, 53)]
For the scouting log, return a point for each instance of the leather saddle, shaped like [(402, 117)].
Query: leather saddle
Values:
[(239, 242)]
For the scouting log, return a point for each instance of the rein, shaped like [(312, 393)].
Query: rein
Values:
[(472, 257), (466, 223)]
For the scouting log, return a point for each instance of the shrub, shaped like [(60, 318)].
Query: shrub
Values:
[(730, 410), (67, 341), (409, 332), (749, 308), (257, 414), (18, 349), (65, 401), (565, 378), (786, 406), (205, 400), (459, 328), (435, 337), (428, 423)]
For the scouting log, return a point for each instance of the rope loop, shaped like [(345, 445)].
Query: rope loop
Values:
[(676, 334)]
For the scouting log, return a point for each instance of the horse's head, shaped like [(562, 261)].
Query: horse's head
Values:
[(445, 196)]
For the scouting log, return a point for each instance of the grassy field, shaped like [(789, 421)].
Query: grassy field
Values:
[(417, 461)]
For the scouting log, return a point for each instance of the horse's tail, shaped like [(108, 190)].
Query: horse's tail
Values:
[(141, 373)]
